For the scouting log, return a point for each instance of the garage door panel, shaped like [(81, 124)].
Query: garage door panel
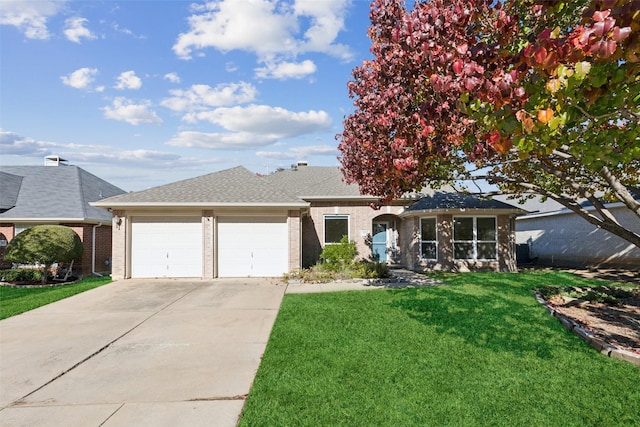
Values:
[(166, 248), (254, 247)]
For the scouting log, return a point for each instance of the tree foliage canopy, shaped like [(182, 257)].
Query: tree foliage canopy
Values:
[(532, 96), (45, 245)]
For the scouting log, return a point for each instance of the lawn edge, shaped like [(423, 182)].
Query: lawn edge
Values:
[(591, 339)]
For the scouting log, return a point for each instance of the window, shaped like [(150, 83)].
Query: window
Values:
[(335, 227), (428, 239), (475, 238), (19, 228)]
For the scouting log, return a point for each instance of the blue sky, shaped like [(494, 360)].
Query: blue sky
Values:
[(143, 93)]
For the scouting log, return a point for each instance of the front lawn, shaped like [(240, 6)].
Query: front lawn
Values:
[(481, 351), (18, 300)]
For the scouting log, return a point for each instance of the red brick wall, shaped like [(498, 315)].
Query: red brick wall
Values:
[(6, 232), (81, 266)]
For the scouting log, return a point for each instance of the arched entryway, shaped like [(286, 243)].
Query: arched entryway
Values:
[(384, 238)]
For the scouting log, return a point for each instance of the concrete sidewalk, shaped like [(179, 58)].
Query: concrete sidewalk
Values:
[(136, 352)]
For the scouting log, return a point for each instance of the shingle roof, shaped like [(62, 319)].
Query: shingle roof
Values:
[(236, 186), (315, 182), (442, 200), (9, 189), (54, 193)]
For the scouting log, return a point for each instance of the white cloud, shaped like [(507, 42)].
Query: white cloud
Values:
[(286, 70), (265, 120), (12, 143), (254, 25), (30, 17), (300, 152), (128, 80), (172, 77), (199, 97), (15, 144), (81, 78), (75, 29), (131, 157), (126, 110), (269, 28), (139, 168), (327, 20), (220, 141)]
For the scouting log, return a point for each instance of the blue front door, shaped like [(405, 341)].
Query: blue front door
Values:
[(380, 241)]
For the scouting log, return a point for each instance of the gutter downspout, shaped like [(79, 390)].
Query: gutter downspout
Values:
[(93, 250)]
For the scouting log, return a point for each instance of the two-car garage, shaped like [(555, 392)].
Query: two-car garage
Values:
[(178, 247)]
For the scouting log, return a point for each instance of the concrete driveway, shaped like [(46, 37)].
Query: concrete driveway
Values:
[(138, 352)]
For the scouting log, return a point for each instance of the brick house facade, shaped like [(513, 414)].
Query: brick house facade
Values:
[(240, 224), (59, 195)]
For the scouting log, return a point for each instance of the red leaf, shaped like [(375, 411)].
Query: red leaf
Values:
[(600, 15), (540, 55), (620, 33), (545, 35), (457, 66)]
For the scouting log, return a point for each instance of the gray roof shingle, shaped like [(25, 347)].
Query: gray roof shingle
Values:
[(445, 200), (9, 189), (236, 186), (315, 182), (54, 193), (292, 187)]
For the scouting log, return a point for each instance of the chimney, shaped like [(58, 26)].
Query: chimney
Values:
[(55, 161)]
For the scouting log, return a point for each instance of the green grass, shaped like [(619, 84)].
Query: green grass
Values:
[(18, 300), (481, 351)]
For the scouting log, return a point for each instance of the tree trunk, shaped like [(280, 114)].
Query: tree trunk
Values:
[(45, 273)]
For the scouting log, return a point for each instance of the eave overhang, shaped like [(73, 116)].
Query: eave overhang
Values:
[(462, 211), (125, 205)]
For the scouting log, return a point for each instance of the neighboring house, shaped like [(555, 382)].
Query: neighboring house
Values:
[(58, 194), (559, 237), (234, 223)]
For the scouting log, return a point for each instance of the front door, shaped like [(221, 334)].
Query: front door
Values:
[(380, 241)]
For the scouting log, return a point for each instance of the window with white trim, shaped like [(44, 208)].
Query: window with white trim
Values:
[(335, 227), (475, 238), (428, 238)]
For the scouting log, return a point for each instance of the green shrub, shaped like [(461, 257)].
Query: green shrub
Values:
[(44, 245), (370, 270), (21, 275), (339, 256)]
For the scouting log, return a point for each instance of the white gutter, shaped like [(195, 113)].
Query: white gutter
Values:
[(124, 205), (93, 250)]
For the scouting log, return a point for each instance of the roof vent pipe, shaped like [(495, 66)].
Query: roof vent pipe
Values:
[(55, 161)]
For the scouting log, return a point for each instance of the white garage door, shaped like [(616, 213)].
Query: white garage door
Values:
[(166, 248), (252, 247)]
